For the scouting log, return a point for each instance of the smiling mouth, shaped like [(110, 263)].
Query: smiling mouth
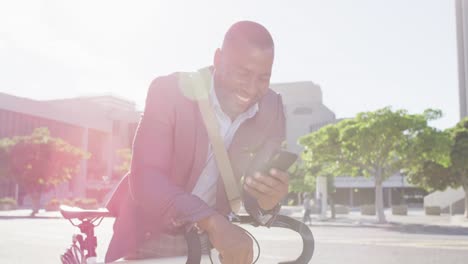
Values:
[(242, 98)]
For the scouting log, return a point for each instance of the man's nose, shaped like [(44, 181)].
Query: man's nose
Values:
[(251, 87)]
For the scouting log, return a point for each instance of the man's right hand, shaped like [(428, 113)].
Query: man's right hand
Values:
[(231, 241)]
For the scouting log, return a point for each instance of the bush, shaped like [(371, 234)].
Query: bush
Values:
[(400, 209), (341, 209), (368, 209), (67, 202), (7, 203), (86, 203), (432, 210), (52, 205)]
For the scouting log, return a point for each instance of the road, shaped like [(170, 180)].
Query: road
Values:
[(26, 240)]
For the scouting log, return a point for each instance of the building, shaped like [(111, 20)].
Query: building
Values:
[(357, 191), (304, 110), (100, 125)]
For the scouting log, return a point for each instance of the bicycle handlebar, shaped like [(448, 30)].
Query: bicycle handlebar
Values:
[(192, 237), (194, 247), (282, 221), (287, 222), (308, 243)]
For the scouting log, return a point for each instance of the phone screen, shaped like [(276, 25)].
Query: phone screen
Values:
[(281, 161)]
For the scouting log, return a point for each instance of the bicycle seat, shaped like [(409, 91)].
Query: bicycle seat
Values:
[(69, 212)]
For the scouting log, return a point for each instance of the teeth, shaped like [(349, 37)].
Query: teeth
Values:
[(244, 99)]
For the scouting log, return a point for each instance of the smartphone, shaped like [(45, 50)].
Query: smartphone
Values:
[(280, 161)]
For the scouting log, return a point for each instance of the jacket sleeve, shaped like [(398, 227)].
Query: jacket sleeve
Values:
[(149, 183)]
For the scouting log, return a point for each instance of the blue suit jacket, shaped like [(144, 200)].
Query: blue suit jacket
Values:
[(169, 152)]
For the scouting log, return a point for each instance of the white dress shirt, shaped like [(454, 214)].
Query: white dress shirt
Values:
[(205, 187)]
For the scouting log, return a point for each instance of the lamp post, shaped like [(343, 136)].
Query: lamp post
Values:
[(462, 45)]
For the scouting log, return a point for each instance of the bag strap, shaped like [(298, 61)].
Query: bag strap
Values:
[(201, 83)]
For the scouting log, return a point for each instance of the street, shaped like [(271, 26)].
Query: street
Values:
[(42, 240)]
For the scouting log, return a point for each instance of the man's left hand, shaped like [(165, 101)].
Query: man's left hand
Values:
[(268, 189)]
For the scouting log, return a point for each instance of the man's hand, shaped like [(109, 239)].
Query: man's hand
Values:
[(231, 241), (270, 189)]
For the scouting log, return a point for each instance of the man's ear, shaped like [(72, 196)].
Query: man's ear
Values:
[(217, 58)]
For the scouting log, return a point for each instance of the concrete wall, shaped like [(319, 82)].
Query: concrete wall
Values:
[(445, 198)]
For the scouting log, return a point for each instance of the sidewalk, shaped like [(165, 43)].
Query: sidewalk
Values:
[(415, 216), (26, 213), (354, 218)]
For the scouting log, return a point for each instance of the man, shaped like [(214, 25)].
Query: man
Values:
[(174, 180)]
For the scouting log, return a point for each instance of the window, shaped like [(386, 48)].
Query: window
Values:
[(303, 111)]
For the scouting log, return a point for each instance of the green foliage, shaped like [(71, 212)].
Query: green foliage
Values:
[(379, 143), (430, 161), (301, 179), (431, 176), (372, 141), (86, 203), (5, 146), (52, 205), (125, 156), (8, 200), (459, 152), (447, 167), (38, 161)]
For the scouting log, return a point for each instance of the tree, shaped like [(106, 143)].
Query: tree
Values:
[(303, 178), (5, 146), (430, 161), (300, 179), (5, 180), (39, 162), (371, 144), (125, 156), (459, 157), (450, 167)]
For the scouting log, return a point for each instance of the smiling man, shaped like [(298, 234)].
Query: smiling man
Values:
[(174, 182)]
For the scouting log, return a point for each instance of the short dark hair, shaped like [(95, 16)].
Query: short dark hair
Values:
[(248, 32)]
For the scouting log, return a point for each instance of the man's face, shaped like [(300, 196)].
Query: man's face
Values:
[(242, 77)]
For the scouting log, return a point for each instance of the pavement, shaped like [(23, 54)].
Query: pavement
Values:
[(416, 216), (351, 238)]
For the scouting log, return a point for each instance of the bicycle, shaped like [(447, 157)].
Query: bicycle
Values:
[(83, 248)]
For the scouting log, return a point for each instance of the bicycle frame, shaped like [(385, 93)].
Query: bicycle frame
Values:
[(92, 218)]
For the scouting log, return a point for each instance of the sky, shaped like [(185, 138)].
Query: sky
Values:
[(364, 54)]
